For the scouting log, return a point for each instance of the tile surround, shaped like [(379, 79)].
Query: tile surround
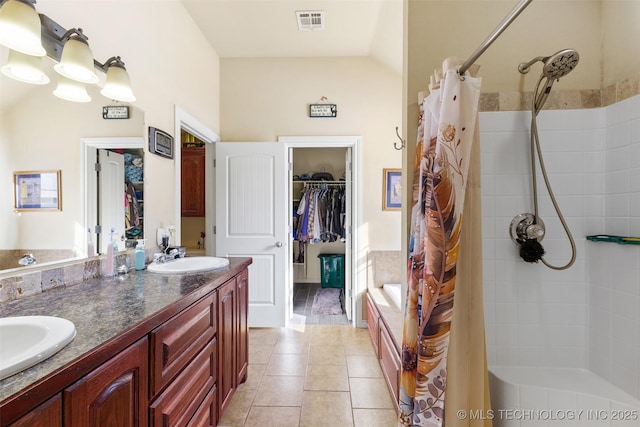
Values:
[(563, 99), (585, 316)]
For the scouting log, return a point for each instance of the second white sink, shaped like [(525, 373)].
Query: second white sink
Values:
[(28, 340), (189, 265)]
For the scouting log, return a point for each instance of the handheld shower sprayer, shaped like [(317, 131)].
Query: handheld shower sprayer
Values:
[(555, 66), (527, 230)]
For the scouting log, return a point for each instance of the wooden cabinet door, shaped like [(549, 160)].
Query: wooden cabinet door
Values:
[(176, 342), (242, 338), (373, 320), (193, 181), (48, 414), (183, 398), (115, 394), (227, 306)]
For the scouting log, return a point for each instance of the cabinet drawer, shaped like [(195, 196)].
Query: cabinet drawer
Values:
[(373, 321), (390, 362), (176, 342), (180, 401), (207, 413)]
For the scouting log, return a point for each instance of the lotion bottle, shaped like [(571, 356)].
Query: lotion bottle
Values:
[(110, 267), (91, 250), (139, 255)]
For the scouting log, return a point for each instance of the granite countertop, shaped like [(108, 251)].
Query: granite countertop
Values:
[(103, 309)]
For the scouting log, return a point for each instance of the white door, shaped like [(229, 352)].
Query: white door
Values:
[(110, 196), (348, 249), (251, 219)]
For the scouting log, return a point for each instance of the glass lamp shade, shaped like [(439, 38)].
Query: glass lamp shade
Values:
[(76, 62), (20, 28), (25, 68), (117, 85), (71, 90)]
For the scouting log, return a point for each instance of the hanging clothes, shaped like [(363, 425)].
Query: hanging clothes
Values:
[(131, 212), (321, 214), (445, 137)]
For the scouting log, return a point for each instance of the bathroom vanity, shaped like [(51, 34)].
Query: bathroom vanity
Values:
[(150, 350)]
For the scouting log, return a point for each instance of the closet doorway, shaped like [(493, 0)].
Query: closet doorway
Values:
[(322, 256)]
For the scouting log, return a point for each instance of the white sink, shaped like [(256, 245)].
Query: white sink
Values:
[(188, 265), (28, 340)]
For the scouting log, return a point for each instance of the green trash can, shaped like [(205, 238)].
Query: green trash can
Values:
[(332, 270)]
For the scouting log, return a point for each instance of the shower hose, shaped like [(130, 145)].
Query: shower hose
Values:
[(536, 105)]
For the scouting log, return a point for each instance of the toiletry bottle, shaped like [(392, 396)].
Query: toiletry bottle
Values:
[(91, 250), (139, 255), (110, 267)]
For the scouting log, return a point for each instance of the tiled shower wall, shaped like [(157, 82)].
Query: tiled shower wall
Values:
[(588, 315)]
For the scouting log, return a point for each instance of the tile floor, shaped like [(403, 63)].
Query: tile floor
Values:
[(303, 294), (311, 376)]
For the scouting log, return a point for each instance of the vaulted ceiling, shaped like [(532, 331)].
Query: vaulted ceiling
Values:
[(269, 29)]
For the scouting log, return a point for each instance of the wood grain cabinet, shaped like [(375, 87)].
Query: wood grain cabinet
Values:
[(242, 342), (193, 181), (115, 394), (227, 336), (386, 350), (48, 414), (183, 372)]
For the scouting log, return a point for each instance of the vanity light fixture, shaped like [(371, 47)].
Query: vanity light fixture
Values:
[(21, 27), (71, 90), (76, 62), (25, 68), (117, 86)]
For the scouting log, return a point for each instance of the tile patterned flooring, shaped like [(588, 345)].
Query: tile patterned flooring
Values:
[(303, 294), (311, 376)]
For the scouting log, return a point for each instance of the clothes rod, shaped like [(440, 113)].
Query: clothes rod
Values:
[(494, 35)]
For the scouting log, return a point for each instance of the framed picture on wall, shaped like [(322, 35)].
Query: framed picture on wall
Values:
[(37, 191), (392, 190)]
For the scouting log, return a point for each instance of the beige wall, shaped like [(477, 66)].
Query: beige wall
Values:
[(620, 37), (170, 63), (267, 98)]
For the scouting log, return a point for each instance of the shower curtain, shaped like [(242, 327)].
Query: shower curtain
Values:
[(444, 373)]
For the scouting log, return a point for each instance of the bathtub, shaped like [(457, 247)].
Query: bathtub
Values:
[(541, 396), (392, 290)]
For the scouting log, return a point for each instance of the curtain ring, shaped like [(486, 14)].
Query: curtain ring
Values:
[(402, 141)]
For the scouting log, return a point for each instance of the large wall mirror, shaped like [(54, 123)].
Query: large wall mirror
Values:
[(40, 132)]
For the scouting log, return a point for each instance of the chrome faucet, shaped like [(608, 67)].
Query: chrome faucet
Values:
[(166, 256), (27, 259)]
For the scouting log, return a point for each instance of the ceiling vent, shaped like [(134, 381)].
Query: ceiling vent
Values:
[(310, 20)]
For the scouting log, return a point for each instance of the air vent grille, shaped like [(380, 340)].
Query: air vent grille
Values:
[(310, 20)]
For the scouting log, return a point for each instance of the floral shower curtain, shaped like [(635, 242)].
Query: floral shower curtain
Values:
[(446, 133)]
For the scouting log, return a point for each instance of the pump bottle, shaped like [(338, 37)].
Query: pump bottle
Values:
[(139, 255)]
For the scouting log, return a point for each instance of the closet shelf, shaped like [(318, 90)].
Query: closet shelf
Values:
[(614, 239), (307, 181)]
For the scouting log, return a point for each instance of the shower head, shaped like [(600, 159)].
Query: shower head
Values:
[(555, 66), (560, 63)]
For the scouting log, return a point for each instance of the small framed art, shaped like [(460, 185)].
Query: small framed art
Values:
[(392, 190), (37, 190)]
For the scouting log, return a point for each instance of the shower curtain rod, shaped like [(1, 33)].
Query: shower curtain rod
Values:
[(494, 35)]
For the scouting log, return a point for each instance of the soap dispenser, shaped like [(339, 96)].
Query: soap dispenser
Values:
[(139, 255)]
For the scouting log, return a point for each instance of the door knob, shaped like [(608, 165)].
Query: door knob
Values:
[(279, 244)]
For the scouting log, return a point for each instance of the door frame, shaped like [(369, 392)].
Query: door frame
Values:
[(89, 181), (358, 251), (195, 127)]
